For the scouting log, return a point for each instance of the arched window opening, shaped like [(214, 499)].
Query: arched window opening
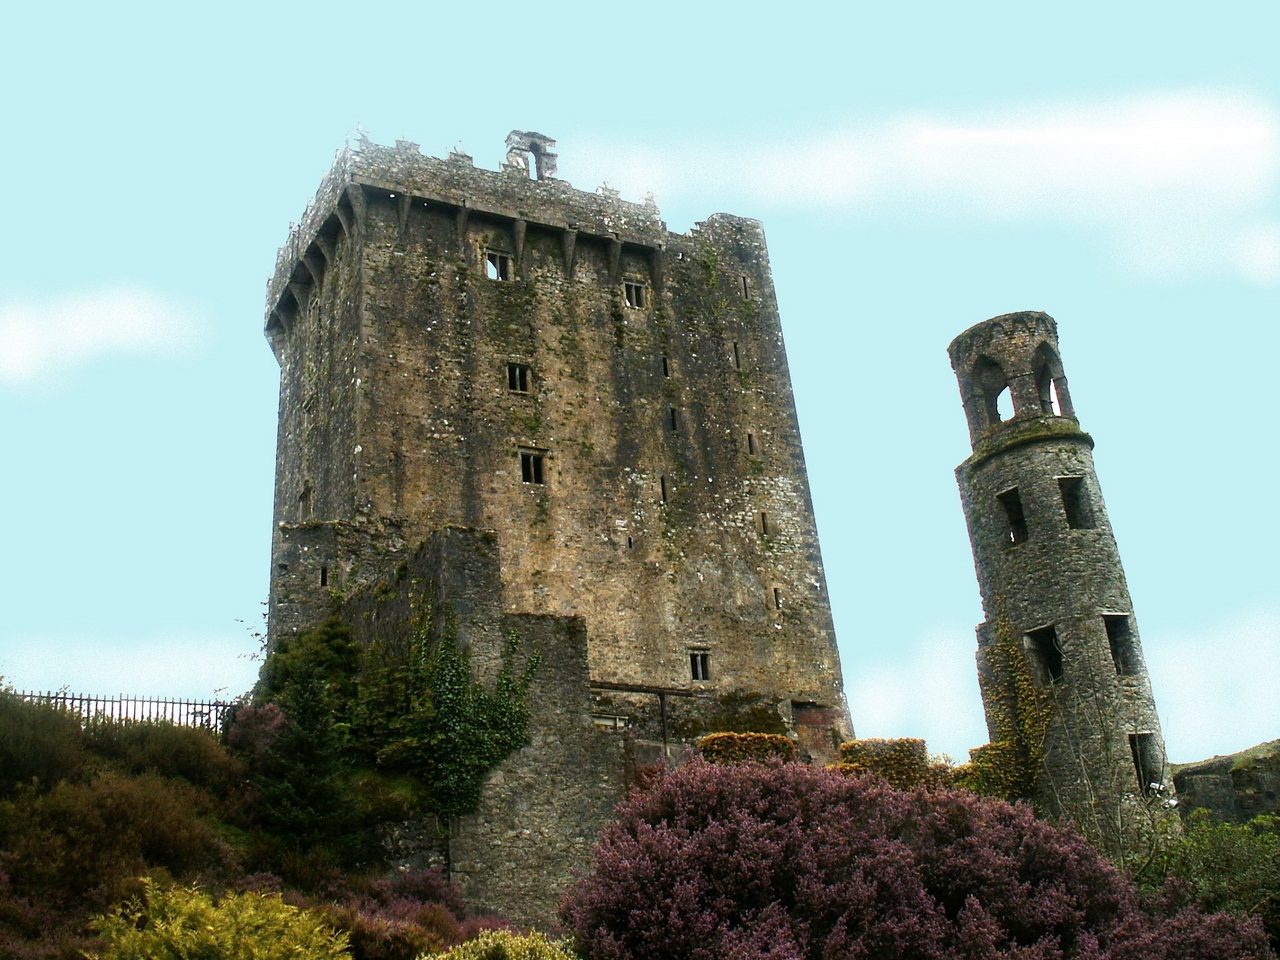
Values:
[(1004, 405), (1048, 370), (989, 385)]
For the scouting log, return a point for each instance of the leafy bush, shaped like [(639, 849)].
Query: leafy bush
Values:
[(37, 742), (185, 924), (85, 842), (1231, 866), (400, 918), (741, 747), (903, 762), (778, 861), (505, 945), (160, 747)]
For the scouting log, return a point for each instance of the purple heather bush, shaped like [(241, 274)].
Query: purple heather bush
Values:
[(790, 862)]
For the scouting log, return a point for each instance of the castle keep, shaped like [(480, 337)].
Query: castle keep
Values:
[(497, 373), (1059, 660)]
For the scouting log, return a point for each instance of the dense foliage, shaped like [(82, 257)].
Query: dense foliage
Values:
[(903, 762), (743, 747), (504, 945), (786, 861), (99, 806), (179, 923)]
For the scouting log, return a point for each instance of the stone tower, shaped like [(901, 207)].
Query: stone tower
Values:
[(1059, 659), (497, 351)]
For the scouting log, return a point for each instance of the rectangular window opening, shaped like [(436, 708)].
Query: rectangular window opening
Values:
[(700, 665), (777, 598), (304, 505), (531, 466), (634, 294), (1016, 520), (674, 420), (666, 367), (497, 266), (1124, 649), (737, 356), (630, 543), (1075, 502), (746, 289), (751, 444), (1046, 655), (324, 576), (518, 377), (662, 483), (1147, 762), (765, 528)]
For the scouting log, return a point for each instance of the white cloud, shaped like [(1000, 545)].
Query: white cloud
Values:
[(1215, 685), (42, 339), (1179, 182)]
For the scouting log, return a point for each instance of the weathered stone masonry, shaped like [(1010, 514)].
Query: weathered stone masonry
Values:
[(1050, 573), (468, 349)]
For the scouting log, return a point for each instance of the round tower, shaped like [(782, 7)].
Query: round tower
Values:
[(1064, 685)]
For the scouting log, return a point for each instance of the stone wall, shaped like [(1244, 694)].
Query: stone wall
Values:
[(1234, 788), (545, 805)]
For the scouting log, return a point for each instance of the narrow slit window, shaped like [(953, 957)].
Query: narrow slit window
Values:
[(324, 576), (737, 356), (518, 377), (497, 266), (1015, 518), (663, 486), (1075, 502), (746, 288), (630, 543), (777, 598), (1124, 649), (764, 525), (700, 665), (1147, 762), (532, 467), (634, 294), (751, 444), (666, 366), (1046, 655), (673, 419)]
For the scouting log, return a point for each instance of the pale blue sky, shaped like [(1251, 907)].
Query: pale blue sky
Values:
[(918, 168)]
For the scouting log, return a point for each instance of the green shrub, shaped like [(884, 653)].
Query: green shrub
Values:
[(903, 762), (37, 742), (157, 746), (746, 747), (504, 945), (184, 924), (85, 842)]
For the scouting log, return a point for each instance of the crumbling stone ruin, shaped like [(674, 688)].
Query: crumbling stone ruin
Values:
[(538, 409), (1060, 663)]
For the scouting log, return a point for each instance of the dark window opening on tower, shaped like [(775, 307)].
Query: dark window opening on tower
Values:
[(666, 367), (989, 384), (765, 528), (630, 543), (633, 293), (751, 444), (1075, 501), (497, 266), (746, 289), (1046, 655), (737, 356), (518, 377), (700, 665), (675, 424), (777, 598), (304, 505), (1048, 391), (1124, 651), (1148, 762), (324, 576), (531, 466), (1016, 520), (662, 483)]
